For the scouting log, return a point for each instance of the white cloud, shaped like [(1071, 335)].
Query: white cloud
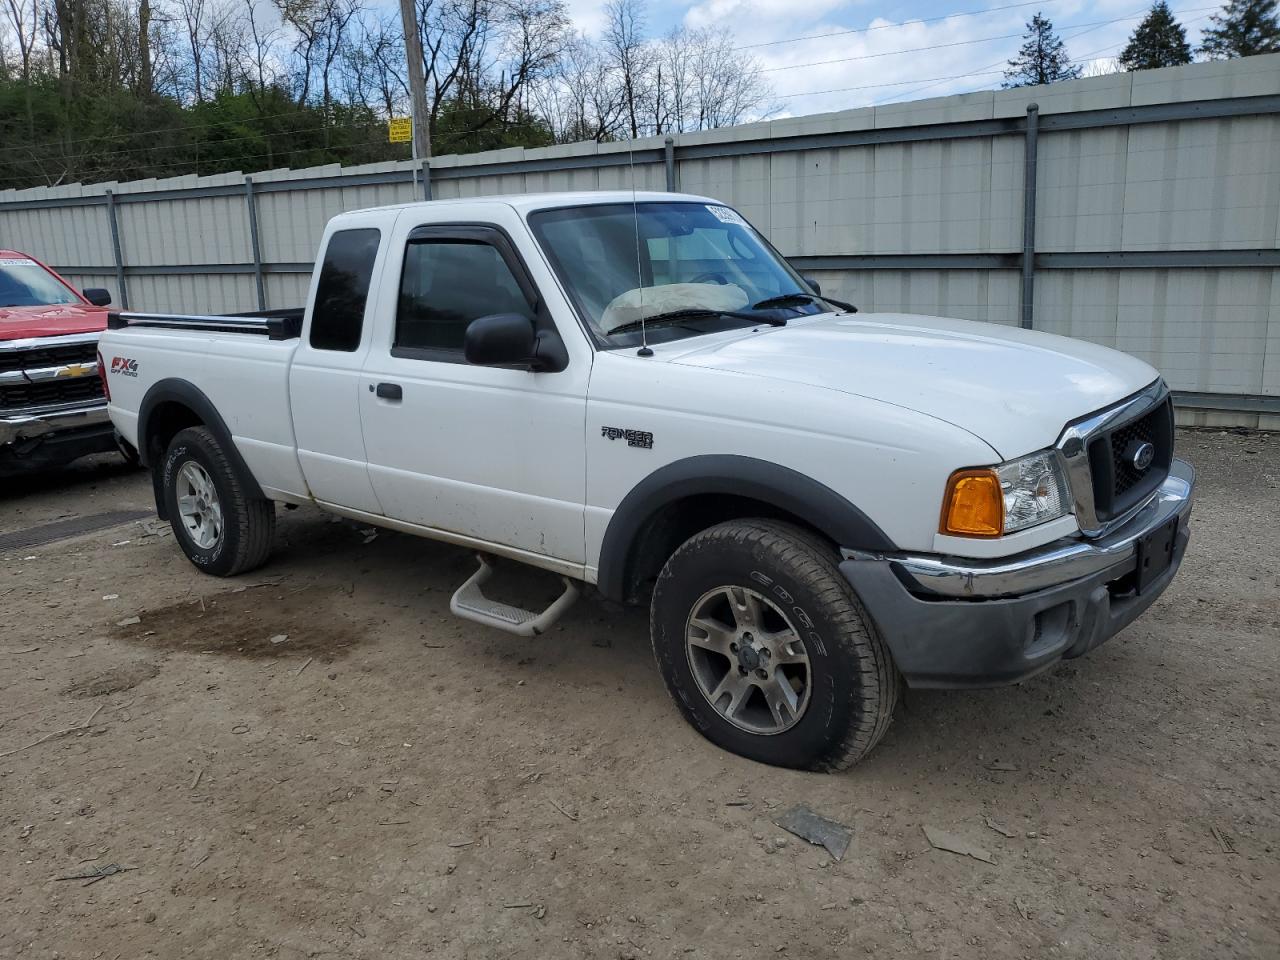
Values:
[(587, 16), (905, 60), (870, 68), (742, 16)]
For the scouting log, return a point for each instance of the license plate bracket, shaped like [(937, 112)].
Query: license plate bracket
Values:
[(1155, 554)]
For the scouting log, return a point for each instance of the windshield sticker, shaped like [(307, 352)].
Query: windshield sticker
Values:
[(16, 262), (725, 215)]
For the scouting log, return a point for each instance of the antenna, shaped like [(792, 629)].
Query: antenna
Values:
[(644, 350)]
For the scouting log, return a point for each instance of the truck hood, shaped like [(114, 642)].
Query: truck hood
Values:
[(52, 320), (1015, 389)]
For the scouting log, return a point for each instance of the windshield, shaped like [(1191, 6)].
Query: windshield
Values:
[(622, 263), (24, 283)]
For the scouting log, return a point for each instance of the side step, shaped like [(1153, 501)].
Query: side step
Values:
[(470, 603)]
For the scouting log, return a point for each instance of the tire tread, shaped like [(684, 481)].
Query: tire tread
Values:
[(812, 560), (254, 517)]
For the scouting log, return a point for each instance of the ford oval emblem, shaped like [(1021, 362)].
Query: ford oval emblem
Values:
[(1142, 456)]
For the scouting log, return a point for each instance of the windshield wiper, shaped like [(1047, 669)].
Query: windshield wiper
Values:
[(789, 299), (692, 313)]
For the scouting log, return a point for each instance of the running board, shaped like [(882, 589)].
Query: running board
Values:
[(470, 603)]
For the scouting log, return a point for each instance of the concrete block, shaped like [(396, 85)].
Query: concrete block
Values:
[(1067, 96), (954, 109), (642, 143), (836, 122), (1247, 77), (746, 131)]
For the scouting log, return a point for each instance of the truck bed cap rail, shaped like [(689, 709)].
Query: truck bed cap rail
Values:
[(283, 324)]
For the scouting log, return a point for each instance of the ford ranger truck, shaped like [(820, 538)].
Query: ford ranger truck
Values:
[(637, 393), (51, 405)]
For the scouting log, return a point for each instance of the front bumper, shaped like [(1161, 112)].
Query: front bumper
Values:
[(951, 622), (16, 425)]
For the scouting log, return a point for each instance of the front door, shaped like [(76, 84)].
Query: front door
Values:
[(489, 453)]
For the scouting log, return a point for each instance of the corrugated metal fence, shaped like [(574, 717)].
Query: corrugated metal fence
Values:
[(1140, 210)]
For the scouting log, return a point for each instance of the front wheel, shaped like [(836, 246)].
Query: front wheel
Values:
[(766, 649), (221, 529)]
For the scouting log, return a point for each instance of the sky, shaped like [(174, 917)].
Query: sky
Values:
[(823, 55)]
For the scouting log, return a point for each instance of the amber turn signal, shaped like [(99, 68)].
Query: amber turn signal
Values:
[(973, 505)]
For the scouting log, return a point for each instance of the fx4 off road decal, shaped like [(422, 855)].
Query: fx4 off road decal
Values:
[(124, 366), (634, 438)]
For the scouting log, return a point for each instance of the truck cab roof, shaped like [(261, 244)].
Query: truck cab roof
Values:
[(525, 203)]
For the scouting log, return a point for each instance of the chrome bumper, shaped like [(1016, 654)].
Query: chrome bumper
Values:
[(29, 424), (1057, 563)]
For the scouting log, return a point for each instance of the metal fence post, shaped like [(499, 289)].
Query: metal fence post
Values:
[(1029, 216), (669, 159), (426, 179), (115, 249), (251, 203)]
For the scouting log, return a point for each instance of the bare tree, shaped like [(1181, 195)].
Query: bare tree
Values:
[(582, 99), (22, 23), (481, 57), (625, 45), (264, 40), (228, 44), (730, 87), (191, 17), (146, 78)]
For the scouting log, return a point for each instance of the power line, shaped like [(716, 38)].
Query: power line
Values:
[(890, 53), (1083, 58), (1096, 25), (447, 129), (144, 133), (960, 43), (905, 23), (235, 160), (1000, 64)]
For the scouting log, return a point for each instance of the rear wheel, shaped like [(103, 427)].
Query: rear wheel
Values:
[(766, 649), (221, 529)]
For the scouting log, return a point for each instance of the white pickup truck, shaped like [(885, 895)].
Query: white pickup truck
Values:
[(637, 392)]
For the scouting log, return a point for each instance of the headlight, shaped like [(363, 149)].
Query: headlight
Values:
[(991, 501)]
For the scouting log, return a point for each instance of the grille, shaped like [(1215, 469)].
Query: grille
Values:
[(49, 392), (51, 356), (1118, 485)]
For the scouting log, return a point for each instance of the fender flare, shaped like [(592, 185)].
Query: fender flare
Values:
[(184, 392), (802, 496)]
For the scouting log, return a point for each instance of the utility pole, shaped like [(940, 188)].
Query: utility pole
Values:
[(417, 94)]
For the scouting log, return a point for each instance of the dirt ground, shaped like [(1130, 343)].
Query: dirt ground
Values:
[(390, 782)]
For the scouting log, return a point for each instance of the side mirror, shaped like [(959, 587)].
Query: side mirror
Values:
[(814, 285), (500, 340), (98, 296), (511, 340)]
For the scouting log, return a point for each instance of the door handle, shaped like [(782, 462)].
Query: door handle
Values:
[(390, 391)]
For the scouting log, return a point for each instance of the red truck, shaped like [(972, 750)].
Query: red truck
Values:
[(52, 409)]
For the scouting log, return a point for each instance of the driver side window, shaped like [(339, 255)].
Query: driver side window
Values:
[(446, 283)]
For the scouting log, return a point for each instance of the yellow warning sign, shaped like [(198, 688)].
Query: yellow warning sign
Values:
[(400, 129)]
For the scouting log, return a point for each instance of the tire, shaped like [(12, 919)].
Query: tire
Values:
[(232, 533), (843, 686)]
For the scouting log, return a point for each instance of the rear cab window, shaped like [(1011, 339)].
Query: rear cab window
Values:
[(346, 273)]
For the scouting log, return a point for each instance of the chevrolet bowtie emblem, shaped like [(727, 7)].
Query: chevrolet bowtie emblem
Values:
[(77, 370)]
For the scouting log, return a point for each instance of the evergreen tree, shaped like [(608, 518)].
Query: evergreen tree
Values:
[(1042, 59), (1242, 29), (1159, 41)]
